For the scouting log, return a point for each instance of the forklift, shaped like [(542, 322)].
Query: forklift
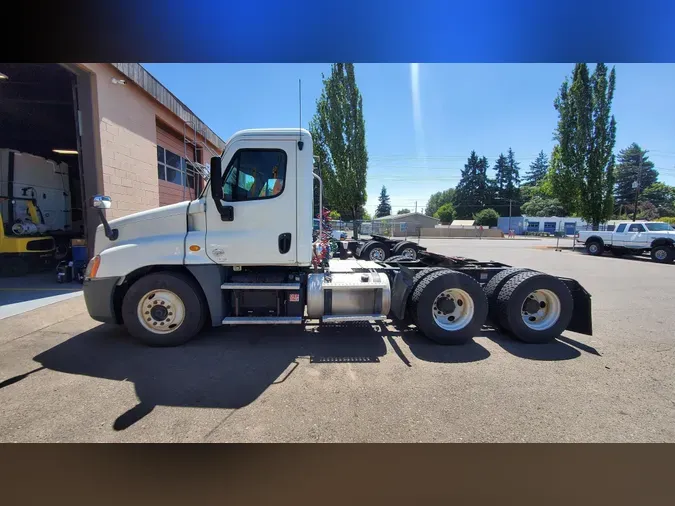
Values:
[(23, 248)]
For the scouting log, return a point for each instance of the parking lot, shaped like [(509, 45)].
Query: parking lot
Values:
[(64, 377)]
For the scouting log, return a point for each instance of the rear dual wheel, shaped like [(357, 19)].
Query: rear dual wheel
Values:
[(534, 307), (406, 249), (447, 306)]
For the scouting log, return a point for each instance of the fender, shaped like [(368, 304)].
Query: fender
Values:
[(595, 238), (663, 241)]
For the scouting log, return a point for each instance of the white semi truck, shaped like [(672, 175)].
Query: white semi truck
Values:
[(241, 254)]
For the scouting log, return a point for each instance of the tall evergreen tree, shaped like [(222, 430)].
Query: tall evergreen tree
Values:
[(627, 170), (537, 171), (586, 134), (384, 207), (507, 182), (339, 134), (473, 190)]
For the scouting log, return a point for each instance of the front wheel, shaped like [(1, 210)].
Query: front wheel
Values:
[(164, 309), (663, 254)]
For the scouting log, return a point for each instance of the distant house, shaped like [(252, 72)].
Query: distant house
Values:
[(399, 224)]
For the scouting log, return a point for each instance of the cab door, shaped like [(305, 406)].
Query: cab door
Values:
[(259, 191), (635, 236)]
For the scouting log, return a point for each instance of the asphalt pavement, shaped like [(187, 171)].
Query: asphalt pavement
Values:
[(64, 377)]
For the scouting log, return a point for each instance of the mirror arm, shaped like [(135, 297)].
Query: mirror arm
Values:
[(111, 234)]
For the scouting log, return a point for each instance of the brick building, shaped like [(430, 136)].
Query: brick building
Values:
[(120, 132)]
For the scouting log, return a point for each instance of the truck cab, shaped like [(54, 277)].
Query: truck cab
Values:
[(243, 254)]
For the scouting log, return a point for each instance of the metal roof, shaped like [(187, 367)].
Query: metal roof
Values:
[(159, 92), (405, 215)]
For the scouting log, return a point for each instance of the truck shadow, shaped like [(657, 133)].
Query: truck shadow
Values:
[(230, 369)]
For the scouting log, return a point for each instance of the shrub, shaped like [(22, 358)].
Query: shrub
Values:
[(487, 218), (446, 213), (668, 219)]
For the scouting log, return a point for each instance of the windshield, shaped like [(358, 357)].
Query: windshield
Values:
[(658, 227)]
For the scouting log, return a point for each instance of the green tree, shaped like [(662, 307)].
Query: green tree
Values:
[(339, 135), (365, 215), (586, 134), (384, 207), (437, 200), (647, 211), (542, 206), (474, 190), (662, 196), (403, 211), (334, 215), (507, 181), (537, 172), (487, 217), (446, 213), (627, 170)]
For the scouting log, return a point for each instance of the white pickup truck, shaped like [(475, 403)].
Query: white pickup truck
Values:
[(633, 238)]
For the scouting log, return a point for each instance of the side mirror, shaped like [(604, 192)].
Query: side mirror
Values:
[(101, 202), (216, 178)]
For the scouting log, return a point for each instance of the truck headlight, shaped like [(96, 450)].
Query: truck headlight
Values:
[(92, 267)]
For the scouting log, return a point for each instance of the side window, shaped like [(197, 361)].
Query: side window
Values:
[(636, 227), (621, 228), (255, 174)]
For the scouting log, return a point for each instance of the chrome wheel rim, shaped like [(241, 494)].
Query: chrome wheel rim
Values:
[(377, 254), (161, 311), (541, 310), (660, 254), (409, 253), (453, 309)]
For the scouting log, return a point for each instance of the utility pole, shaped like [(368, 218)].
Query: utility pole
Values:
[(636, 185), (510, 202), (415, 206)]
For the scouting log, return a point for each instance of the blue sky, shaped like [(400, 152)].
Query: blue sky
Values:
[(422, 121)]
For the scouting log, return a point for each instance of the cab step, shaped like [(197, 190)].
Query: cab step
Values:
[(260, 286), (262, 320), (352, 318)]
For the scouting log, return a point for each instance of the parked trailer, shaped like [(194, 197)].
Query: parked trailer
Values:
[(241, 254), (380, 248)]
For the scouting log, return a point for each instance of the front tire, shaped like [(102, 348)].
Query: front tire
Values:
[(535, 307), (449, 307), (164, 309), (663, 254)]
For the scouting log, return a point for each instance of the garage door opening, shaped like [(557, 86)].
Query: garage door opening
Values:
[(42, 198)]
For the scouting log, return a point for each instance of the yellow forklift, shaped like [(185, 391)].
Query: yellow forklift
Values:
[(23, 248)]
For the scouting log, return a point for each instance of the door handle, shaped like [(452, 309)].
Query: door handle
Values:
[(227, 213), (284, 243)]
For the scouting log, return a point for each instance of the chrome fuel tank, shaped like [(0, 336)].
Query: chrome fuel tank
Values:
[(348, 295)]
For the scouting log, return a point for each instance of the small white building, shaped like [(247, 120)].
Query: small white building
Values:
[(567, 224)]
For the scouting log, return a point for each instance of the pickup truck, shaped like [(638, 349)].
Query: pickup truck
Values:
[(633, 238)]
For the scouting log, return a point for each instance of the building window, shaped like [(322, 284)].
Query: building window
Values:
[(174, 169)]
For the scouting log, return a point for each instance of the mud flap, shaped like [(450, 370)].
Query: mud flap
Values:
[(403, 283), (582, 317)]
